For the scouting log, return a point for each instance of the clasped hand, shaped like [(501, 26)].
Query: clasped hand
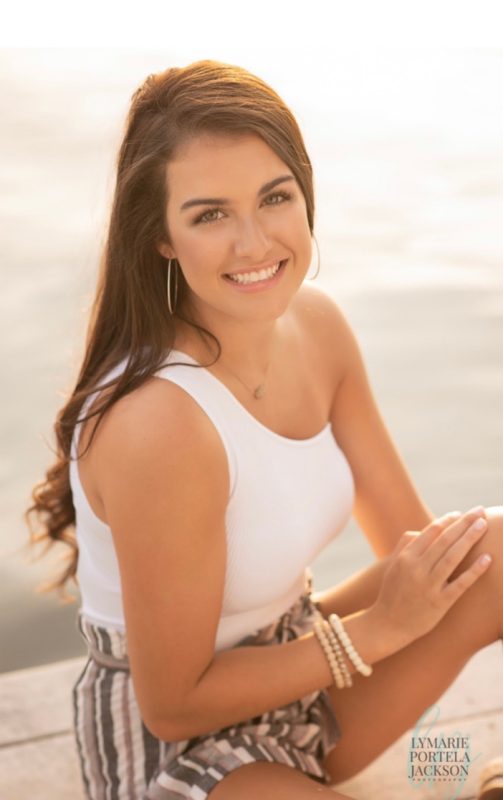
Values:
[(416, 590)]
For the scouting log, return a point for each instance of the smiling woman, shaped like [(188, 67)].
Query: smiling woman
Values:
[(248, 231), (195, 487)]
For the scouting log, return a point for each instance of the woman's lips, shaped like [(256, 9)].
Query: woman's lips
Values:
[(262, 284), (257, 268)]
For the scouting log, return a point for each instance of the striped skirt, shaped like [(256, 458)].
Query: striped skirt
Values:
[(121, 760)]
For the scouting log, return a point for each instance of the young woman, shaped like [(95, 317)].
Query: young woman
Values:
[(225, 431)]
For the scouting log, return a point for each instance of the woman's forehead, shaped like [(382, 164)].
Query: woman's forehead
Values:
[(209, 163), (214, 141)]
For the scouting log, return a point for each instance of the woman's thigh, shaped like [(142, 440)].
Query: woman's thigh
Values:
[(376, 711), (269, 781)]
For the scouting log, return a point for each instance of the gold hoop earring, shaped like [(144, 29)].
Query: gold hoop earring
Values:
[(319, 260), (172, 306)]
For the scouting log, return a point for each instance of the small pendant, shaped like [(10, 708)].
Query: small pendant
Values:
[(259, 391)]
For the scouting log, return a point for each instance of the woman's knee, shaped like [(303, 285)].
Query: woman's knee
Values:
[(485, 597)]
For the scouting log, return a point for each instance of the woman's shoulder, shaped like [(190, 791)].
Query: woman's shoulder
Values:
[(139, 419), (325, 327), (137, 429), (315, 305)]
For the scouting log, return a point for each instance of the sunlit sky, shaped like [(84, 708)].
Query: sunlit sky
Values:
[(417, 90), (275, 27)]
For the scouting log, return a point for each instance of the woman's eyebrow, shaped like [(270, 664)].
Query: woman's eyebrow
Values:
[(201, 201)]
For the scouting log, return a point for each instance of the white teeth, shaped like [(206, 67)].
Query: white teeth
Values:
[(253, 277)]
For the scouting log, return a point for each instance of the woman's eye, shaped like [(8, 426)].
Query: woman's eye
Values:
[(204, 217)]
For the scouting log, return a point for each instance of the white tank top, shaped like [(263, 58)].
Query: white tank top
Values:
[(288, 499)]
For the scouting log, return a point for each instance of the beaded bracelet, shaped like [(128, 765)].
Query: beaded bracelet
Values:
[(348, 681), (338, 628), (331, 657)]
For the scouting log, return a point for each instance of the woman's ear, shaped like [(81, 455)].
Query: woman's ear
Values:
[(165, 250)]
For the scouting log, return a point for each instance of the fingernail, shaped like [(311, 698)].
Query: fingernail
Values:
[(476, 510), (449, 516)]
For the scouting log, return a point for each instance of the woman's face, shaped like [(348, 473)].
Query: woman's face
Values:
[(249, 227)]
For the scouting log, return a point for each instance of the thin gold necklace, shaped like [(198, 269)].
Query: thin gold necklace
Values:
[(259, 390)]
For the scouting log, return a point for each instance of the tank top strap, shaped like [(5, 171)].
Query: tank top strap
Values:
[(201, 385), (210, 395), (113, 373)]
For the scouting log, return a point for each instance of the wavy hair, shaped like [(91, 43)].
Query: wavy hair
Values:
[(129, 318)]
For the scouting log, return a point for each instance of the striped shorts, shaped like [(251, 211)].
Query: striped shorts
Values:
[(121, 760)]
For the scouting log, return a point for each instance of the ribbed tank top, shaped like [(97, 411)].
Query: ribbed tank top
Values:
[(288, 499)]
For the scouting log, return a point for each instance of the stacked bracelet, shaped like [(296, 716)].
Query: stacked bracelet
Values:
[(331, 635), (348, 681), (320, 632), (338, 629)]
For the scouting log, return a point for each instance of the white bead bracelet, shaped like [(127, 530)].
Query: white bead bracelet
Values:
[(348, 681), (338, 628), (329, 653)]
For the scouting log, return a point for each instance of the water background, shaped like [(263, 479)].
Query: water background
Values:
[(407, 150)]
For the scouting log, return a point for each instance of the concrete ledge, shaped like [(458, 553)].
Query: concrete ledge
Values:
[(38, 758)]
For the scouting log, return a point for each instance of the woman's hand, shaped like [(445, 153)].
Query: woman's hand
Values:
[(415, 591)]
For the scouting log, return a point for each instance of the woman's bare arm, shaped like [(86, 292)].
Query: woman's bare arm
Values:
[(387, 502), (164, 483), (244, 682), (163, 479)]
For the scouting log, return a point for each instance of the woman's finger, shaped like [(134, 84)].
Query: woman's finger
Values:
[(452, 591), (405, 539), (418, 545), (454, 555), (450, 535)]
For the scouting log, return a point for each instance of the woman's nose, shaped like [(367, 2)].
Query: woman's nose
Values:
[(251, 240)]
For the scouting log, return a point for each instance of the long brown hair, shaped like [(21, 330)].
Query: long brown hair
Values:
[(129, 317)]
